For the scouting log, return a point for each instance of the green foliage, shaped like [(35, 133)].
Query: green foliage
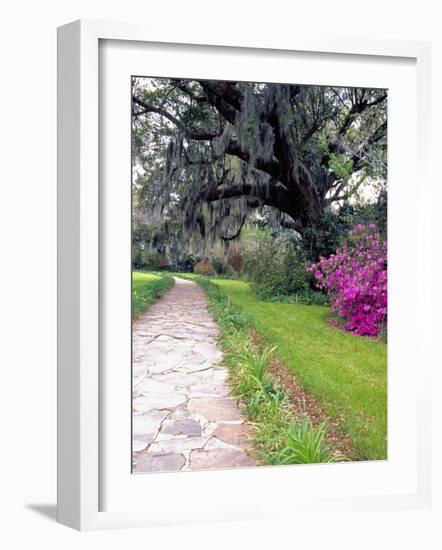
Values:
[(203, 268), (347, 374), (233, 319), (252, 367), (374, 212), (235, 257), (146, 288), (335, 225), (144, 258), (341, 166), (219, 265), (186, 135), (308, 297), (183, 262), (159, 245), (302, 443), (275, 266)]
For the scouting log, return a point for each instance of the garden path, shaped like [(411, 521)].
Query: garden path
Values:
[(183, 417)]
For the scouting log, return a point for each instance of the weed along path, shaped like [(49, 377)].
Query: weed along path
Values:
[(183, 416)]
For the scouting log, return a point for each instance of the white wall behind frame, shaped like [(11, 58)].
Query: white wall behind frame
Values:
[(119, 60), (28, 468)]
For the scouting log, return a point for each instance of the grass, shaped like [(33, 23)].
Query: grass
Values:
[(279, 439), (347, 374), (146, 288)]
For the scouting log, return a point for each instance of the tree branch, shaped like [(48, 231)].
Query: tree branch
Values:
[(190, 134), (293, 224), (215, 193), (224, 97), (357, 108), (237, 232), (182, 85), (270, 167), (359, 159)]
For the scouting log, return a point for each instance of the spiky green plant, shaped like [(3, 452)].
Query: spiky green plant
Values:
[(304, 444)]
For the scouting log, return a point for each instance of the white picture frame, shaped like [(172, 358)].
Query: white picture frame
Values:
[(80, 460)]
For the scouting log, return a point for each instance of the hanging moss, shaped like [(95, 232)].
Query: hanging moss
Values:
[(297, 127)]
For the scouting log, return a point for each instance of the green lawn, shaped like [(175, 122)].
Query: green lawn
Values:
[(146, 288), (347, 374)]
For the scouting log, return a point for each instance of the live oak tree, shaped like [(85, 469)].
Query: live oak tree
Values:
[(208, 154)]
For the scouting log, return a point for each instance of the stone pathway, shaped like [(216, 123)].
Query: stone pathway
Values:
[(183, 417)]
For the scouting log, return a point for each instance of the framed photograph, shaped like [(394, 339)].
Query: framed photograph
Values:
[(233, 342)]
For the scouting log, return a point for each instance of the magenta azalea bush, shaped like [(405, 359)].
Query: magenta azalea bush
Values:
[(356, 279)]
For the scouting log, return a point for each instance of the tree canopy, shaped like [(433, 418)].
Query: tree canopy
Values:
[(208, 154)]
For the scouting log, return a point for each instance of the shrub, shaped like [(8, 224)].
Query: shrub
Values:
[(144, 258), (235, 257), (308, 297), (356, 278), (335, 225), (219, 266), (184, 262), (275, 266), (203, 268)]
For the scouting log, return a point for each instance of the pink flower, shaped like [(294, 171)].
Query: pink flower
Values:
[(356, 278)]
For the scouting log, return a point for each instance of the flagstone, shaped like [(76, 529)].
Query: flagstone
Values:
[(215, 408), (138, 445), (220, 375), (163, 462), (186, 426), (202, 459), (178, 380), (147, 423), (234, 434), (147, 402), (177, 445), (208, 389), (184, 417), (148, 385)]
